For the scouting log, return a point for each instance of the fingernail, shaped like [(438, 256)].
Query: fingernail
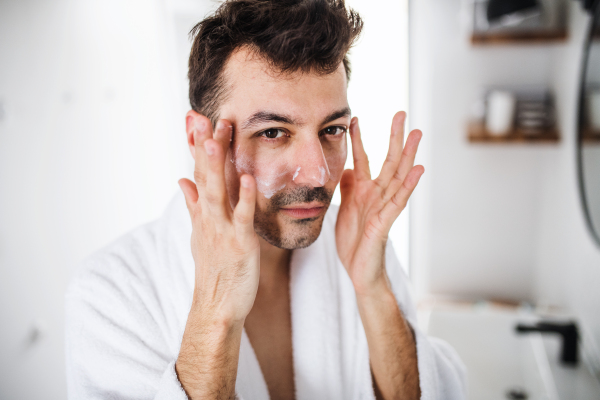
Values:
[(353, 124), (209, 149), (245, 182), (220, 125)]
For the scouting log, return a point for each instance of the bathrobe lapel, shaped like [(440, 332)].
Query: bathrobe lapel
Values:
[(250, 383)]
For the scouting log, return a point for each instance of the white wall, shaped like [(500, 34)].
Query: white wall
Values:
[(378, 89), (483, 199), (497, 221), (92, 143)]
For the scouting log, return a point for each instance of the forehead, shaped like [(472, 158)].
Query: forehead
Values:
[(254, 86)]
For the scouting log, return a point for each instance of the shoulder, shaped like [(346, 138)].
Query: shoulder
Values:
[(128, 256), (131, 265), (115, 282), (114, 324), (126, 306), (142, 280)]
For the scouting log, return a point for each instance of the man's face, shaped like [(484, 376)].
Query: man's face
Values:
[(290, 135)]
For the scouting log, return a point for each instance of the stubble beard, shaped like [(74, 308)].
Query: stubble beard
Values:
[(304, 232)]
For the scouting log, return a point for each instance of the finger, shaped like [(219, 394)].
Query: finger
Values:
[(407, 161), (202, 130), (395, 150), (190, 193), (243, 215), (216, 192), (398, 202), (361, 162), (222, 134), (347, 187)]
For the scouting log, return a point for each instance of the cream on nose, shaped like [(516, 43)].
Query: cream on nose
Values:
[(312, 168)]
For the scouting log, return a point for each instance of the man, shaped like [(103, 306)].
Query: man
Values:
[(284, 296)]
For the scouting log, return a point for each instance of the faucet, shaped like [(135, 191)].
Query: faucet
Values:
[(568, 331)]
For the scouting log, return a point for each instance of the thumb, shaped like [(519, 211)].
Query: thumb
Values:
[(190, 193)]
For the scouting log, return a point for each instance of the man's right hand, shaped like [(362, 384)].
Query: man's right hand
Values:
[(226, 253)]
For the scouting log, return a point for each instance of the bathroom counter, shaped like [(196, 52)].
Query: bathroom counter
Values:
[(502, 364)]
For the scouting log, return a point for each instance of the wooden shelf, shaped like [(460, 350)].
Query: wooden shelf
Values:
[(478, 134), (591, 136), (520, 37)]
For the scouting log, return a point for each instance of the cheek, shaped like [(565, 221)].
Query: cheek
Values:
[(271, 175)]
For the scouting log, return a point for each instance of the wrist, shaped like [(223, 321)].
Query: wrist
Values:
[(380, 314), (374, 288), (376, 295), (216, 320), (223, 313)]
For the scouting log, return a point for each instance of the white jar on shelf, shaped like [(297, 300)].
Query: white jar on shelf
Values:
[(500, 114)]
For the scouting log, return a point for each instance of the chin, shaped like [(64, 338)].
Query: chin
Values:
[(290, 234)]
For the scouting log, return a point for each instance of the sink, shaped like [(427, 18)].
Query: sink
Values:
[(504, 365), (571, 383)]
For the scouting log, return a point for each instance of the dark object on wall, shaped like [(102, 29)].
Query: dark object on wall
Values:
[(497, 9), (589, 4), (512, 21), (569, 333)]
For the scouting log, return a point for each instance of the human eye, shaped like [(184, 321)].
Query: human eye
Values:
[(272, 133), (334, 130)]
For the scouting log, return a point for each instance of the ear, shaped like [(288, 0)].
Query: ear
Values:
[(192, 119)]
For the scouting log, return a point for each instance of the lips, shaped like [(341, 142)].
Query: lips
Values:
[(301, 211)]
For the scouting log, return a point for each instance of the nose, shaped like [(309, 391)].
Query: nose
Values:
[(311, 165)]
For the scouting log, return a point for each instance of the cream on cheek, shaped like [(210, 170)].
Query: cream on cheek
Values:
[(271, 176), (275, 173)]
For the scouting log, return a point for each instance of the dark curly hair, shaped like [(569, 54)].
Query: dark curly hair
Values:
[(291, 35)]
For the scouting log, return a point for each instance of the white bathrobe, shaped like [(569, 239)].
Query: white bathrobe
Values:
[(128, 304)]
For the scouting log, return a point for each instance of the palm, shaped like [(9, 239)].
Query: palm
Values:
[(358, 225), (370, 207)]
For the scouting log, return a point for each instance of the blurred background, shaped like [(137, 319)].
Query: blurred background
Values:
[(500, 232)]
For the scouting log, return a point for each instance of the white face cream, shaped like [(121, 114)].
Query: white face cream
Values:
[(275, 175), (296, 173), (267, 187), (269, 180), (324, 172)]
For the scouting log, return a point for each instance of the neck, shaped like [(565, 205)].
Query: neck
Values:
[(274, 266)]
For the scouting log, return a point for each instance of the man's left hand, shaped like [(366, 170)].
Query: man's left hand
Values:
[(369, 207)]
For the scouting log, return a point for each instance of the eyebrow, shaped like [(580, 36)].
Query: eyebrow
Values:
[(345, 112), (265, 116)]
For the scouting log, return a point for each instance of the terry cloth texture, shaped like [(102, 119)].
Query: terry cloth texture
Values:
[(128, 304)]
